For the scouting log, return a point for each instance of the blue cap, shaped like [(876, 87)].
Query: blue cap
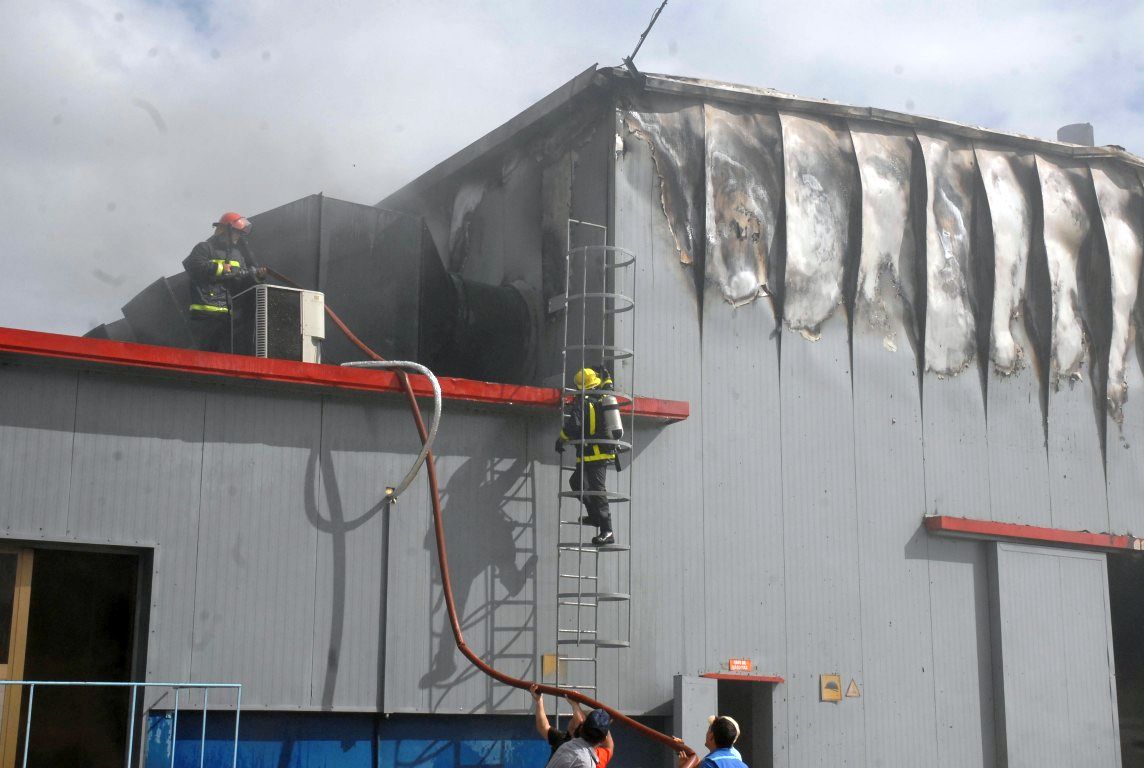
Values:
[(598, 720)]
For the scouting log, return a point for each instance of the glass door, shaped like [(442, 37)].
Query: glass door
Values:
[(15, 591)]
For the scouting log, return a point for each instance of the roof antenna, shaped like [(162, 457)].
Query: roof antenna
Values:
[(628, 59)]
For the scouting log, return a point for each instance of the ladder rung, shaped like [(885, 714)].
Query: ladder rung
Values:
[(580, 687), (611, 496), (577, 576), (596, 642), (601, 596), (573, 602), (578, 631), (572, 546), (576, 658)]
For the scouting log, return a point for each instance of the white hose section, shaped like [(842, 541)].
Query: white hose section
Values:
[(433, 422)]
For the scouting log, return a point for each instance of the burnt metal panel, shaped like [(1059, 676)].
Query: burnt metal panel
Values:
[(287, 239), (893, 572), (741, 457), (137, 471), (254, 591), (957, 476), (369, 269), (1121, 201), (1018, 463), (158, 313), (824, 619), (1078, 267), (1058, 689), (37, 419)]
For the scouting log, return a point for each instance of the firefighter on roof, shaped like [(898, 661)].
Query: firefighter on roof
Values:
[(585, 421), (219, 267)]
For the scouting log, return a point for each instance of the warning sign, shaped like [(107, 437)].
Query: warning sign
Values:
[(852, 691), (739, 665), (830, 687)]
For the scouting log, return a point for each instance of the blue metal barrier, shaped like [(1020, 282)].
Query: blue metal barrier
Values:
[(170, 755)]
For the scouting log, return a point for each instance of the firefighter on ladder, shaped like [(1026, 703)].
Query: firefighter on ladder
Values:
[(584, 420)]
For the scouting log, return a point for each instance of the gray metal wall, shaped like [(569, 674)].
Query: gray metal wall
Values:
[(260, 508)]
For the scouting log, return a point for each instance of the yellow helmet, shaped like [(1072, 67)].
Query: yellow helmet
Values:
[(586, 378)]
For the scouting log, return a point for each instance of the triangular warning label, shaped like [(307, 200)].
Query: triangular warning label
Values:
[(852, 691)]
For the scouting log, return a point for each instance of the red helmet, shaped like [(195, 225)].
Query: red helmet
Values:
[(234, 221)]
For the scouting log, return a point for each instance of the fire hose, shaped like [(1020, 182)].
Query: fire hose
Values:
[(690, 758)]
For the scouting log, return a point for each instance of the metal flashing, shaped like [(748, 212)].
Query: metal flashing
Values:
[(984, 529), (24, 344)]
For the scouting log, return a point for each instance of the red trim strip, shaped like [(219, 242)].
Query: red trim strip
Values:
[(35, 344), (744, 678), (986, 529)]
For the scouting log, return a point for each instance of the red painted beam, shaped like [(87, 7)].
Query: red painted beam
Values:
[(35, 344), (1030, 534), (744, 678)]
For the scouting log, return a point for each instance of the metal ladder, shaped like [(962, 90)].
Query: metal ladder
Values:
[(593, 584)]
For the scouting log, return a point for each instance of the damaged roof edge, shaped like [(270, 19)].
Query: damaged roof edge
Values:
[(727, 92), (497, 138)]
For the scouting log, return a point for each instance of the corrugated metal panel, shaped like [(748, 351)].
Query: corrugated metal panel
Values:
[(1120, 197), (824, 602), (956, 451), (490, 504), (898, 684), (1018, 463), (1071, 228), (364, 449), (742, 462), (37, 418), (1057, 649), (962, 658), (136, 475), (254, 594), (667, 485)]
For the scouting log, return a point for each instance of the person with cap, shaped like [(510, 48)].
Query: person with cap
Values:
[(219, 267), (583, 421), (722, 733), (592, 747), (554, 736)]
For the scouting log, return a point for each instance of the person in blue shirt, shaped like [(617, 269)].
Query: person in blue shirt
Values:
[(722, 733)]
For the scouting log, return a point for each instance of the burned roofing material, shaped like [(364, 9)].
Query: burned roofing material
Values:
[(999, 252)]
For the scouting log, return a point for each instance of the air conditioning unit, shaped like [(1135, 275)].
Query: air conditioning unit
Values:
[(279, 322)]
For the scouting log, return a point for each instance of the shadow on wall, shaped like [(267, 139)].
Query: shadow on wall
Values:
[(337, 527), (484, 538)]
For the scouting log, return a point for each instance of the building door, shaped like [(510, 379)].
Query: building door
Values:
[(745, 698), (15, 594)]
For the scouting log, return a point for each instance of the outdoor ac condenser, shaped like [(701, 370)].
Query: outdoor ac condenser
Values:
[(279, 322)]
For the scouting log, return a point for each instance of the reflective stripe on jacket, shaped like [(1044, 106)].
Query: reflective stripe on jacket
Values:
[(217, 269)]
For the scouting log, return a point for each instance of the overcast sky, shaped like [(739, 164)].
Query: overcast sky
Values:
[(128, 126)]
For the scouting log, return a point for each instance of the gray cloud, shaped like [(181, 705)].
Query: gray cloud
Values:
[(266, 102)]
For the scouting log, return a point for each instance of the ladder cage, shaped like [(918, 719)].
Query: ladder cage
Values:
[(593, 583)]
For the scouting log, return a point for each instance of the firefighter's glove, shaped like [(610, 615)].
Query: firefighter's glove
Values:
[(559, 445)]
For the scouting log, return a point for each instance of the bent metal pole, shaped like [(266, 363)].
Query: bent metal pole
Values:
[(690, 759)]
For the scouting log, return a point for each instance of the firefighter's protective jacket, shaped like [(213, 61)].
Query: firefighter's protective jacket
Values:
[(217, 268)]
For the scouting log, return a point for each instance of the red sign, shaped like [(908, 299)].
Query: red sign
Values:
[(739, 665)]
